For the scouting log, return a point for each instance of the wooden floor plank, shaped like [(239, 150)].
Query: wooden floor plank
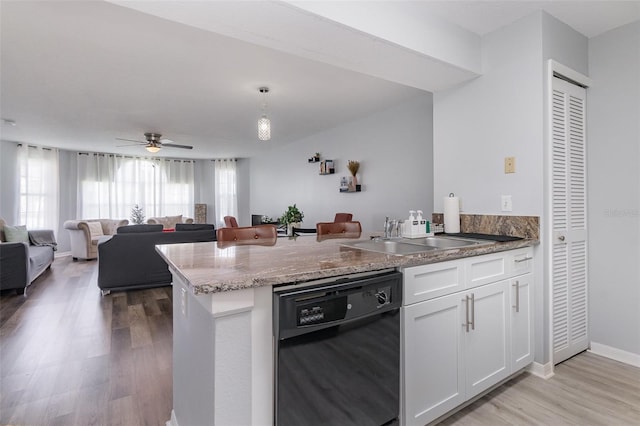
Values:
[(70, 356)]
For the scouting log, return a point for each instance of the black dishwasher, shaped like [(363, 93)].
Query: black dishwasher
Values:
[(337, 343)]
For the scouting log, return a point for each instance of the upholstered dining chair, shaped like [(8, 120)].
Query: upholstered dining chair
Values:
[(343, 217), (264, 235), (327, 230), (230, 222)]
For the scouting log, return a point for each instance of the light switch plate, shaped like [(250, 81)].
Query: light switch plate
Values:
[(507, 204), (509, 164)]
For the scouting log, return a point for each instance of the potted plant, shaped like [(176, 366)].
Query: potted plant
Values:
[(292, 217), (137, 215)]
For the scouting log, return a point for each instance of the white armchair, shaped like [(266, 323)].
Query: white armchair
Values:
[(86, 233)]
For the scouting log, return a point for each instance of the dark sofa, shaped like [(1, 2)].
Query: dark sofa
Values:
[(129, 260), (21, 263)]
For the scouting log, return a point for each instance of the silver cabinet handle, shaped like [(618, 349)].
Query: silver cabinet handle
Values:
[(473, 312), (517, 287), (524, 259), (466, 311)]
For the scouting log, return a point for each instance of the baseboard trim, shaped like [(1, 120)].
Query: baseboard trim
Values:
[(172, 421), (61, 254), (544, 371), (615, 354)]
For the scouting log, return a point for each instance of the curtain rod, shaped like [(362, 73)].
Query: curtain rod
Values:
[(36, 146), (132, 157)]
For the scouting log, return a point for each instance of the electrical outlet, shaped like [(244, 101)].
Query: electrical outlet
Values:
[(183, 301), (507, 204), (509, 164)]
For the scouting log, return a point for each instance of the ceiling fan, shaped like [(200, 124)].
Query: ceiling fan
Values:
[(154, 142)]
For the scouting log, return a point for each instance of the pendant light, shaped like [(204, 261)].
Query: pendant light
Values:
[(264, 124)]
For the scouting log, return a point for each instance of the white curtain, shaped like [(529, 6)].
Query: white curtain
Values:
[(109, 186), (38, 177), (226, 198)]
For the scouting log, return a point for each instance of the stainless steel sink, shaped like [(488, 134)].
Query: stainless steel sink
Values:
[(403, 246), (394, 247), (446, 242)]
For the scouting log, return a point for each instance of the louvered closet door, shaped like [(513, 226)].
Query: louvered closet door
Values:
[(569, 220)]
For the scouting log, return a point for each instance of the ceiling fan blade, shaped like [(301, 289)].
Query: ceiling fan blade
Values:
[(173, 145), (131, 144), (130, 140)]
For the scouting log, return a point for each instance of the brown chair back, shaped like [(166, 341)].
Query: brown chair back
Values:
[(343, 217), (265, 235), (230, 222), (328, 230)]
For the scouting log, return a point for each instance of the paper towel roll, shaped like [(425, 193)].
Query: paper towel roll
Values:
[(451, 215)]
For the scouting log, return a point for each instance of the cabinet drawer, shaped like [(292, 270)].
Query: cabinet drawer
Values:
[(486, 269), (521, 261), (428, 281)]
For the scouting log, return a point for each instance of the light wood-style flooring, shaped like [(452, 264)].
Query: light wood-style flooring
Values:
[(69, 356)]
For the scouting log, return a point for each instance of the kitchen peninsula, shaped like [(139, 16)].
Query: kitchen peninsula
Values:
[(223, 326)]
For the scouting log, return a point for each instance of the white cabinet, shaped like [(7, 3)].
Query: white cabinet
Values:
[(487, 343), (521, 321), (433, 353), (459, 344)]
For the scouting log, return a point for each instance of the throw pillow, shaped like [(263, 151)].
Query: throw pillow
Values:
[(95, 229), (16, 234)]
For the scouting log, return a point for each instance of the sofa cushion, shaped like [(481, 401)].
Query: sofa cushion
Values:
[(95, 229), (136, 229), (16, 234), (39, 259)]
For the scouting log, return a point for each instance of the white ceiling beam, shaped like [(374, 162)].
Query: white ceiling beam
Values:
[(387, 43)]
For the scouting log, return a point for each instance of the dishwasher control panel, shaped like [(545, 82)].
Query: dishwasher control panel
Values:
[(344, 300), (353, 305)]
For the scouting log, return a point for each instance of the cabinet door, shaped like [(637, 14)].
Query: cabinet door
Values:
[(521, 322), (487, 344), (433, 367)]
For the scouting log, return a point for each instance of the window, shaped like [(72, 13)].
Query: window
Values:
[(38, 181), (110, 185), (226, 190)]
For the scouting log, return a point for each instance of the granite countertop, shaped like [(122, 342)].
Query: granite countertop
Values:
[(209, 269)]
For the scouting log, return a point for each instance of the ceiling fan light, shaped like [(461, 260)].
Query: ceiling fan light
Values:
[(152, 148), (264, 128)]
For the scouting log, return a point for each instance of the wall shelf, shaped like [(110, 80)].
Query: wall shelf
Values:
[(358, 189), (327, 167)]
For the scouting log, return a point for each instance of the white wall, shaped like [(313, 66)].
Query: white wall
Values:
[(394, 148), (9, 182), (613, 150), (497, 115), (501, 114)]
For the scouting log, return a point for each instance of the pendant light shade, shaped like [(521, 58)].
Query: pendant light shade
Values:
[(264, 124), (264, 128)]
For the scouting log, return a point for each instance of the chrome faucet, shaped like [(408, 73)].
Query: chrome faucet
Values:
[(387, 228)]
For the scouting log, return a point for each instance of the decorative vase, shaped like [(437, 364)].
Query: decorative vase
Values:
[(290, 227), (352, 183)]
